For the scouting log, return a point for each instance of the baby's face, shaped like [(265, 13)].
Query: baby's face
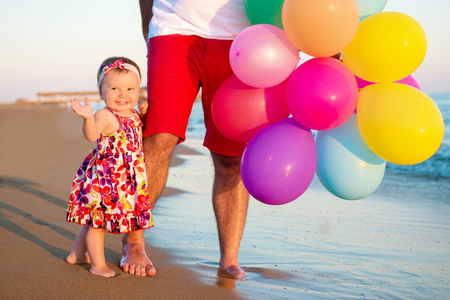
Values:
[(120, 90)]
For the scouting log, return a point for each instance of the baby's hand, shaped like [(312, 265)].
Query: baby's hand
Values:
[(84, 111), (143, 107), (143, 110)]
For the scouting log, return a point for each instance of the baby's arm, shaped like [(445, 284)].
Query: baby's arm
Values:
[(93, 124)]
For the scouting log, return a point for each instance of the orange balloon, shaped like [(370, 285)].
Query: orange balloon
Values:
[(320, 28)]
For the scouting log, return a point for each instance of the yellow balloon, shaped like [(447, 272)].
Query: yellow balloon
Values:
[(399, 123), (387, 47)]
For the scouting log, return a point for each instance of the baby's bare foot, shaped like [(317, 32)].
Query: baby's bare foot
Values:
[(102, 271), (72, 258)]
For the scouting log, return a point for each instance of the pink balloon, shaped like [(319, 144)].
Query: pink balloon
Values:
[(279, 162), (408, 80), (322, 93), (239, 111), (362, 83), (262, 56)]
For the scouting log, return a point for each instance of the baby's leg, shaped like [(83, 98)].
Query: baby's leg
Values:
[(95, 245), (78, 254)]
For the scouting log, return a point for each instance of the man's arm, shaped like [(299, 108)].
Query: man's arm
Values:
[(146, 16)]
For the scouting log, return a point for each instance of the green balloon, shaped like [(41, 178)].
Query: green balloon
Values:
[(264, 12)]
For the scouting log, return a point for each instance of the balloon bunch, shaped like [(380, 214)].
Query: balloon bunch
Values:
[(367, 109)]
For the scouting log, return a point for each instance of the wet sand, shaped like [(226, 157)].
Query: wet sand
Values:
[(394, 244)]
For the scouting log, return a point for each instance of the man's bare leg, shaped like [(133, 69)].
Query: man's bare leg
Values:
[(134, 259), (230, 202), (157, 148)]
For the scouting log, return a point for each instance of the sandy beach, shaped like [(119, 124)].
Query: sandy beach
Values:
[(394, 244), (41, 147)]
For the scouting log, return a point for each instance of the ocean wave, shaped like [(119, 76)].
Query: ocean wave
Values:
[(436, 166)]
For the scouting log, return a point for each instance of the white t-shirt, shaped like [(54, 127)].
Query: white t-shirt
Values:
[(217, 19)]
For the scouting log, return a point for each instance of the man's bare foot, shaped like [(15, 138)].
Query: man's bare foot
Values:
[(102, 271), (73, 259), (233, 271), (135, 261)]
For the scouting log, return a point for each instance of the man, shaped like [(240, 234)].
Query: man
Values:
[(188, 47)]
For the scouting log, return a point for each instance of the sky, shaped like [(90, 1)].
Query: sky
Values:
[(52, 46)]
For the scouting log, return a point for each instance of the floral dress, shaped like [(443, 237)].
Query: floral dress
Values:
[(110, 188)]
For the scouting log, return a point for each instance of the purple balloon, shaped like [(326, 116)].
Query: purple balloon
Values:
[(279, 162)]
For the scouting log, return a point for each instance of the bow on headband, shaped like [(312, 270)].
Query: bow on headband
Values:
[(117, 64)]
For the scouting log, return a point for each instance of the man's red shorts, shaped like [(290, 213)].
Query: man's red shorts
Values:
[(177, 66)]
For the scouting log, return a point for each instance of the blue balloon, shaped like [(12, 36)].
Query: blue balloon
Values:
[(370, 7), (345, 165)]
